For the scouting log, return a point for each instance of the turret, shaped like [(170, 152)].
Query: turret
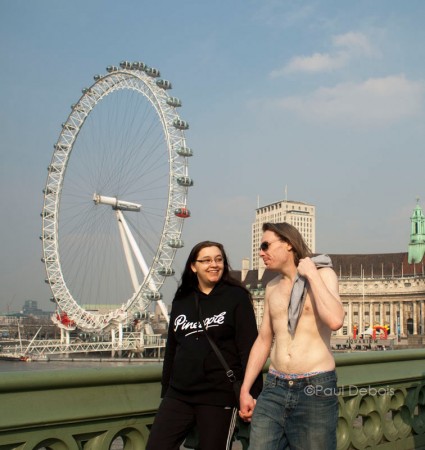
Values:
[(417, 236)]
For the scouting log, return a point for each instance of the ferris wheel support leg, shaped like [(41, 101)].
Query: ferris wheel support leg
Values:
[(113, 342), (164, 311), (120, 339), (65, 336), (65, 340), (142, 345), (127, 252), (135, 248), (117, 344), (68, 339)]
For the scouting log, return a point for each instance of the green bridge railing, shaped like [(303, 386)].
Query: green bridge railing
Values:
[(381, 405)]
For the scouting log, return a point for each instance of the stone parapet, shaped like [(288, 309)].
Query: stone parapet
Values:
[(381, 405)]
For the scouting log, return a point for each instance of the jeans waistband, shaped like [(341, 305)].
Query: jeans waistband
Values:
[(303, 381), (293, 376)]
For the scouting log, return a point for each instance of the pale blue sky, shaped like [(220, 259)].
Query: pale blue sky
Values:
[(324, 97)]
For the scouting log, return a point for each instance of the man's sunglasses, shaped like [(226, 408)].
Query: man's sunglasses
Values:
[(264, 246)]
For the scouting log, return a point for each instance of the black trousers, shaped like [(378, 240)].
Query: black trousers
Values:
[(176, 418)]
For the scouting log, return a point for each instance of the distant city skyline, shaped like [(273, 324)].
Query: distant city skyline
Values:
[(28, 304), (320, 102)]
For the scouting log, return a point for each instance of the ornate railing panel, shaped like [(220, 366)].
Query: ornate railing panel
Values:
[(381, 398)]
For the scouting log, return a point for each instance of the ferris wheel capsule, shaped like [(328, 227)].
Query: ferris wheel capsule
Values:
[(185, 151), (174, 101), (166, 271), (125, 65), (154, 73), (185, 181), (184, 213), (153, 296), (180, 124), (138, 65), (164, 84), (175, 243)]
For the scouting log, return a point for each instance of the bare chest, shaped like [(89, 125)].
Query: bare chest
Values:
[(279, 303)]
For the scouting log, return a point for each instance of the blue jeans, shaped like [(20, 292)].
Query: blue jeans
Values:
[(299, 414)]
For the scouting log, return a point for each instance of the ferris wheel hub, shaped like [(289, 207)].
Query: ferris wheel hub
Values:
[(122, 205)]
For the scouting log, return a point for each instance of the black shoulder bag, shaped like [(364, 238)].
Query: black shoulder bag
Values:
[(229, 372)]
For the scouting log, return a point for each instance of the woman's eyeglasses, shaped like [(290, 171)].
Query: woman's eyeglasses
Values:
[(265, 245), (208, 261)]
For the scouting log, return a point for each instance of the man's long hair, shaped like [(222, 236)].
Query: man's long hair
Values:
[(291, 235), (189, 279)]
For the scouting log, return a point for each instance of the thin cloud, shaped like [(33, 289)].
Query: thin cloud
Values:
[(319, 62), (372, 102), (346, 47), (355, 43)]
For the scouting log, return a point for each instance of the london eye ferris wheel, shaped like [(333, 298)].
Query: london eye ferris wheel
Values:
[(115, 198)]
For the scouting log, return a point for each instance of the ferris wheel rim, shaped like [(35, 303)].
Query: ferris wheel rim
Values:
[(142, 79)]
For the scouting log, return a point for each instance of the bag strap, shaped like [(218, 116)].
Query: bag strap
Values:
[(229, 371)]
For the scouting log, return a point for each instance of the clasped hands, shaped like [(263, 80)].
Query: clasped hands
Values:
[(247, 405)]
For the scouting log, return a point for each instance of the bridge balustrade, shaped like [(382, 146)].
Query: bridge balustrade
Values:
[(381, 405)]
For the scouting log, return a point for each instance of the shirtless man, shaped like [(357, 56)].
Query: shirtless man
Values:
[(298, 407)]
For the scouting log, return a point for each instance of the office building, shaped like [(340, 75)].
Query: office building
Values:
[(300, 215)]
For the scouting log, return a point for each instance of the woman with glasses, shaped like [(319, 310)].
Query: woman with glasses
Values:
[(195, 388)]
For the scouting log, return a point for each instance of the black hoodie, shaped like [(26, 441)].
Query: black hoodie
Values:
[(192, 372)]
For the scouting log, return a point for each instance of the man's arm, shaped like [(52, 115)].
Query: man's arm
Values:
[(324, 287), (257, 358)]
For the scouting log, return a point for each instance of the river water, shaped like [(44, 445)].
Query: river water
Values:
[(21, 366)]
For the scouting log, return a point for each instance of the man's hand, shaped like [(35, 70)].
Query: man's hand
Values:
[(247, 405), (306, 267)]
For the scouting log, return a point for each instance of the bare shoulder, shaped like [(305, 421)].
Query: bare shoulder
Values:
[(327, 273), (330, 279), (273, 282)]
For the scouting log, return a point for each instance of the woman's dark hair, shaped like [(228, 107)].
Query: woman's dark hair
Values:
[(189, 279), (291, 235)]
